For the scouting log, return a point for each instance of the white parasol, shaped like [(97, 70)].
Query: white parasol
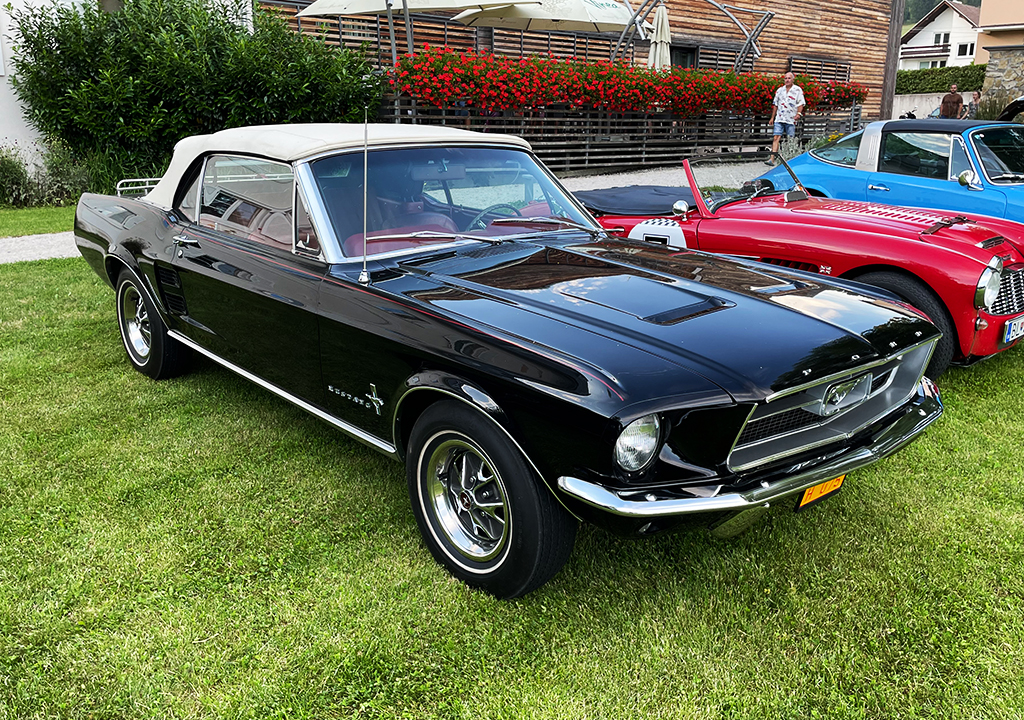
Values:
[(335, 8), (660, 56), (568, 15)]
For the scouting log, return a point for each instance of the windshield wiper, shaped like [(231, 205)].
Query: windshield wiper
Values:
[(565, 222), (1009, 176), (435, 235)]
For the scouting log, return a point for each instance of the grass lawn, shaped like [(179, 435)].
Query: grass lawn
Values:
[(198, 548), (33, 221)]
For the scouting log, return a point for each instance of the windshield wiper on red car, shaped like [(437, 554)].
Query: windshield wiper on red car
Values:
[(551, 220)]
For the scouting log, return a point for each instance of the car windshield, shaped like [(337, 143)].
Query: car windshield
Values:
[(1001, 151), (441, 194), (726, 179)]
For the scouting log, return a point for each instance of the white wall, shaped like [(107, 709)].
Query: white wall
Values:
[(924, 103), (13, 128)]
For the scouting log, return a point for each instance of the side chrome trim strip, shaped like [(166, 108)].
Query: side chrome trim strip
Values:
[(922, 412), (361, 435)]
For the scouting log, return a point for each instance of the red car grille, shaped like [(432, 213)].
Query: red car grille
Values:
[(1011, 294)]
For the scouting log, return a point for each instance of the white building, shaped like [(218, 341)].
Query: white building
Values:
[(13, 128), (948, 35)]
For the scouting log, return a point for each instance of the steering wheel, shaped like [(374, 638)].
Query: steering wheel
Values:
[(480, 215)]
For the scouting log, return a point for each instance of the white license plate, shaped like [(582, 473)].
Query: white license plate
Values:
[(1014, 330)]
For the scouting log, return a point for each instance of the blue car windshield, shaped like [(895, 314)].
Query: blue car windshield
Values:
[(1001, 151)]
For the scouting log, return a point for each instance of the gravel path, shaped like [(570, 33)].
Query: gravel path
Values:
[(55, 245), (37, 247)]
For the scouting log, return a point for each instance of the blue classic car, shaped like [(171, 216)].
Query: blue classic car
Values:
[(961, 165)]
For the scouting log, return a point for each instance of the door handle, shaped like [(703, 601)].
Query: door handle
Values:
[(878, 187), (184, 240)]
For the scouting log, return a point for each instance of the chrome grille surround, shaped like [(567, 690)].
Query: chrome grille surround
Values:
[(784, 425), (1010, 299)]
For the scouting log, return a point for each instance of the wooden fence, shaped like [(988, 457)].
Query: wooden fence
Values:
[(574, 141)]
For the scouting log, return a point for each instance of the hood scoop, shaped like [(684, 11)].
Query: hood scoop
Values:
[(636, 295)]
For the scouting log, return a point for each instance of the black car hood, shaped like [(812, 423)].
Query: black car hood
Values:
[(753, 330)]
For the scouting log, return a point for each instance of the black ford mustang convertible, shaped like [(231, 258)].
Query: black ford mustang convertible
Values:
[(436, 294)]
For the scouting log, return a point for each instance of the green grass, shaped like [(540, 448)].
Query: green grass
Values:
[(198, 548), (33, 221)]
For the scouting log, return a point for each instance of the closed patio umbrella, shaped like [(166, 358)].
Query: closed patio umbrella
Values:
[(660, 56), (568, 15)]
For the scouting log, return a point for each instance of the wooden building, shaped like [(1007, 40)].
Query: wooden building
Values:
[(827, 39)]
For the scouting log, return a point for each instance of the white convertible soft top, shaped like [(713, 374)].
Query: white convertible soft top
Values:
[(288, 143)]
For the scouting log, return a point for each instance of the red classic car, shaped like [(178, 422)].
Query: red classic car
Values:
[(965, 273)]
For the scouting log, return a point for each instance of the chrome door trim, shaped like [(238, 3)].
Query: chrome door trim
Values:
[(361, 435)]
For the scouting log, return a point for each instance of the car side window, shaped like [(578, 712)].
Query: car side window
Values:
[(959, 160), (842, 152), (249, 198), (306, 240), (189, 200), (916, 153)]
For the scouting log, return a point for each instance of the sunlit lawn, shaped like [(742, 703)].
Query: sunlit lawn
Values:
[(198, 548), (32, 221)]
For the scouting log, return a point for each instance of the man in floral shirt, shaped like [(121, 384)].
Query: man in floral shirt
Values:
[(787, 108)]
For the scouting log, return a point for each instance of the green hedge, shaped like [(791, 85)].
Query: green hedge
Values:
[(119, 89), (936, 80)]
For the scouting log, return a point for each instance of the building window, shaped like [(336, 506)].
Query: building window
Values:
[(685, 57), (924, 65), (938, 39), (823, 69), (945, 38), (942, 63), (964, 49)]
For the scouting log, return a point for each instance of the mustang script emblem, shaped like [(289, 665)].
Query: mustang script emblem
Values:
[(372, 400)]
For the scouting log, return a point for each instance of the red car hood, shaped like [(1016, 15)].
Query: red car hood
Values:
[(932, 226)]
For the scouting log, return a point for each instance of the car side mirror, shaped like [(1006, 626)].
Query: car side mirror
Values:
[(681, 208), (968, 178)]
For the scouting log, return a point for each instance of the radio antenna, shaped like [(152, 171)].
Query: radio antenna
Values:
[(364, 275)]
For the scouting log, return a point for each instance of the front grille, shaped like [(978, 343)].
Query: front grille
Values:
[(790, 422), (1011, 293), (784, 422)]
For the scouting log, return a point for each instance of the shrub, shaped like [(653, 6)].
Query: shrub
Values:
[(119, 89), (60, 180), (938, 80), (15, 183)]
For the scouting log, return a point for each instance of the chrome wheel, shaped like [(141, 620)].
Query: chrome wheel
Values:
[(468, 499), (135, 323)]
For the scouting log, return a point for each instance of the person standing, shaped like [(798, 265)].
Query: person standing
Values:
[(952, 104), (970, 111), (787, 108)]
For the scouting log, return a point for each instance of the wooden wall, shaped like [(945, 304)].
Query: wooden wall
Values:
[(829, 39), (848, 32)]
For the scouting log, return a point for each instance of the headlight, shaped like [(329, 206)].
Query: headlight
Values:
[(988, 284), (638, 443)]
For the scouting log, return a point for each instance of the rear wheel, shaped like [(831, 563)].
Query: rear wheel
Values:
[(149, 348), (916, 293), (483, 512)]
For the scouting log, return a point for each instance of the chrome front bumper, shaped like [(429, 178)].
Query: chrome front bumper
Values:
[(923, 409)]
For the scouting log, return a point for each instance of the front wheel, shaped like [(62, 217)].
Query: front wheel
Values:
[(916, 293), (483, 513), (150, 349)]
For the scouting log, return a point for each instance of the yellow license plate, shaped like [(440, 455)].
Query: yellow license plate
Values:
[(820, 492)]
